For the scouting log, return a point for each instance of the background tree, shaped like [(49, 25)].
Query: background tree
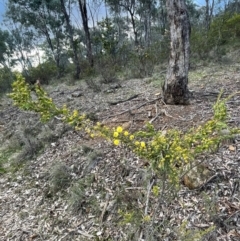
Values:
[(84, 15), (6, 60), (6, 49), (49, 24), (209, 13), (129, 7), (70, 32), (135, 37)]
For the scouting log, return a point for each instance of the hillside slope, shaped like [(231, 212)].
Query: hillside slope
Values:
[(73, 187)]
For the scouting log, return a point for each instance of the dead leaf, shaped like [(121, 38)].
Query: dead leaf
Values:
[(232, 148)]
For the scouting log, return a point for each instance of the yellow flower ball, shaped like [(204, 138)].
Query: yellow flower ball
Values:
[(126, 133), (143, 145), (115, 134), (137, 143), (116, 142), (119, 129), (75, 113), (87, 130), (131, 137)]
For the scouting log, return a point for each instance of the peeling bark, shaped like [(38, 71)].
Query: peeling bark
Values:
[(175, 89)]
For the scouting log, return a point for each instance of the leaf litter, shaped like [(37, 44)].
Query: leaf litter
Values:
[(113, 178)]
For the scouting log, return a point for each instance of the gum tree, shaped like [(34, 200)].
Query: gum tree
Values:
[(84, 15), (70, 32), (44, 18), (175, 88)]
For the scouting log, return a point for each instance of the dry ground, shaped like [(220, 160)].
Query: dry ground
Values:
[(75, 187)]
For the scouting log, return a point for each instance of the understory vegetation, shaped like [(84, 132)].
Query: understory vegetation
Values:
[(170, 155), (124, 180)]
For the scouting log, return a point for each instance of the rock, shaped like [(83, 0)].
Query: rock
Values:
[(197, 176), (77, 94)]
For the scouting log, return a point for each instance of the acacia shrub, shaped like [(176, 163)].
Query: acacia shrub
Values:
[(166, 152)]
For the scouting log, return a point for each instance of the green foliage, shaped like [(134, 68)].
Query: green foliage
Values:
[(233, 25), (44, 72), (44, 105), (6, 48), (224, 30), (107, 37), (60, 177), (127, 217), (142, 62), (6, 79), (87, 70), (107, 67), (188, 234), (79, 201), (200, 46), (35, 20), (4, 157)]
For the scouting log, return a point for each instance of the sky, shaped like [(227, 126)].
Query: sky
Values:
[(2, 9)]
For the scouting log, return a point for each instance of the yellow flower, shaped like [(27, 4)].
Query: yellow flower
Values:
[(143, 145), (115, 134), (119, 129), (87, 130), (131, 137), (154, 143), (137, 143), (126, 133), (92, 135), (155, 190), (116, 142), (75, 113), (147, 218)]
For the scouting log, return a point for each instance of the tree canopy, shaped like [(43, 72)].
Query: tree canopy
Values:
[(139, 38)]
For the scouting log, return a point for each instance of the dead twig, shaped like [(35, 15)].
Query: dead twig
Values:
[(122, 101), (209, 180), (156, 116), (133, 108), (104, 208), (147, 203)]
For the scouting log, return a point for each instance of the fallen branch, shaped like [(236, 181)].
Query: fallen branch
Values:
[(136, 107), (104, 208), (122, 101)]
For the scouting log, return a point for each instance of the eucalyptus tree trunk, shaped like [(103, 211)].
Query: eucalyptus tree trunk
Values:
[(83, 11), (73, 46), (175, 88)]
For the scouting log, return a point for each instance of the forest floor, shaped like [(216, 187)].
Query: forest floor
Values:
[(59, 184)]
